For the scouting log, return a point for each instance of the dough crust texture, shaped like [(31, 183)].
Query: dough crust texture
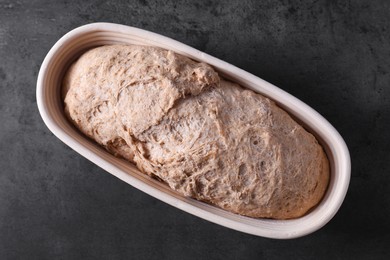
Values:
[(204, 136)]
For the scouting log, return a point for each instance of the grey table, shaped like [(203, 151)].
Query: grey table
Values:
[(333, 55)]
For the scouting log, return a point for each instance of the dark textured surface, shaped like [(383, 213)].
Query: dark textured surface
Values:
[(334, 55)]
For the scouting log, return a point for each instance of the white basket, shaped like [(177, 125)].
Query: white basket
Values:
[(50, 105)]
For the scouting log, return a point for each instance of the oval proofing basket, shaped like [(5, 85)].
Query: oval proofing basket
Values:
[(50, 105)]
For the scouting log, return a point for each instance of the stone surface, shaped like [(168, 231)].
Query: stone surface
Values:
[(333, 55)]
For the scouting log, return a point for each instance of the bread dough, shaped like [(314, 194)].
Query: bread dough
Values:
[(206, 137)]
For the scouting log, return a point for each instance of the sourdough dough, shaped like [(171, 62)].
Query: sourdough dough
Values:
[(204, 136)]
